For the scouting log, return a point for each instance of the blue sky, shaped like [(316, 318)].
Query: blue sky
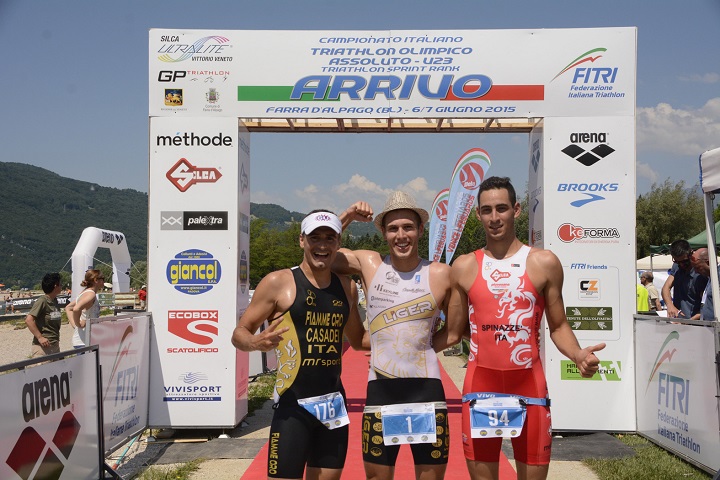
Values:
[(75, 91)]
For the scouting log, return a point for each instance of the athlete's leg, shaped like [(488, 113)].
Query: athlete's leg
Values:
[(430, 472), (531, 472), (483, 470), (316, 473), (375, 471)]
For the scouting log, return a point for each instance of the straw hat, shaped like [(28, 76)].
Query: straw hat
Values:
[(399, 200)]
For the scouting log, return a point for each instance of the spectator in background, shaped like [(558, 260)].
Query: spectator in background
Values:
[(646, 279), (142, 296), (643, 303), (85, 306), (44, 318), (687, 284), (701, 263)]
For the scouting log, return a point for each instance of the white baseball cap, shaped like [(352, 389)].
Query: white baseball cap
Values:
[(320, 219)]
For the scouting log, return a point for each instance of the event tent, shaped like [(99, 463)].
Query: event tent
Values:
[(659, 262), (698, 241)]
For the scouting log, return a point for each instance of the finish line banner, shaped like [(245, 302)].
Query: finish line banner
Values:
[(393, 74)]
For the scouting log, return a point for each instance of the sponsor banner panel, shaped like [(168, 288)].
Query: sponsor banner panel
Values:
[(589, 171), (677, 405), (50, 420), (590, 166), (193, 238), (386, 73), (536, 201), (124, 343)]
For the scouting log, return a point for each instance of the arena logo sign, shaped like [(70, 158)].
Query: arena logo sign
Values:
[(568, 233), (193, 220), (577, 150), (184, 175), (193, 272), (38, 399)]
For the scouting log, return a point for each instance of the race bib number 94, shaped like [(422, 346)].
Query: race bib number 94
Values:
[(408, 423), (496, 417)]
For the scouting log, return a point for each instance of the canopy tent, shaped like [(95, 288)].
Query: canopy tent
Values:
[(710, 184), (698, 241), (659, 262)]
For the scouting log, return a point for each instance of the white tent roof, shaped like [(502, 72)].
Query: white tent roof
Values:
[(659, 262), (710, 171)]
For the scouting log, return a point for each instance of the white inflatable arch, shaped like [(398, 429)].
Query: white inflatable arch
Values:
[(82, 258)]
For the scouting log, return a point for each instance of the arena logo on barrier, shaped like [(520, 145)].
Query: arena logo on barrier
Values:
[(40, 398), (193, 272), (592, 156)]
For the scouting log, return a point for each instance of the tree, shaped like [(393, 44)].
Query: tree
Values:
[(666, 213)]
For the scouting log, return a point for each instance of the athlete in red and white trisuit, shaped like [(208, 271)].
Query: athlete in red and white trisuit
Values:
[(503, 290)]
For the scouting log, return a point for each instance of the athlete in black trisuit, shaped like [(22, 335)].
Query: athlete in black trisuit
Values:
[(310, 309)]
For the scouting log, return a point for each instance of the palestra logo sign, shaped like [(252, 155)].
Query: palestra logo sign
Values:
[(173, 220)]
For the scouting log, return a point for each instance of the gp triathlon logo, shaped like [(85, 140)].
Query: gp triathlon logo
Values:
[(184, 175), (567, 232), (31, 449), (588, 157)]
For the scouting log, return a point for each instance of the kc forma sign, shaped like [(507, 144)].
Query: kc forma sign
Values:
[(575, 86)]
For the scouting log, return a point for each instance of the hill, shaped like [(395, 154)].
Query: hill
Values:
[(44, 215)]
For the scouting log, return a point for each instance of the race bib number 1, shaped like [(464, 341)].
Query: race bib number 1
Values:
[(408, 423), (328, 409), (496, 417)]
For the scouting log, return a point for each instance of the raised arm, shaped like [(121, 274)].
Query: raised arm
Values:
[(560, 332), (358, 212), (270, 300), (354, 329)]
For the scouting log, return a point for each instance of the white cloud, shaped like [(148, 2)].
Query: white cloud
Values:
[(679, 131), (708, 78), (644, 170)]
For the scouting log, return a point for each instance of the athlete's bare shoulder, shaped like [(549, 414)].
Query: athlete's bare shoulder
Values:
[(544, 267), (278, 287), (464, 270), (440, 279)]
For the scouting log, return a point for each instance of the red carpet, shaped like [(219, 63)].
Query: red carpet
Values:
[(355, 371)]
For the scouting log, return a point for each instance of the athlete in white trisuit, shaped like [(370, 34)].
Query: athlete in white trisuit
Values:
[(405, 295)]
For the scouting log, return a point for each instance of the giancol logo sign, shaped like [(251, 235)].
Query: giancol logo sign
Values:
[(184, 175), (213, 48), (196, 326), (193, 272), (591, 76), (32, 456), (577, 149), (193, 220), (589, 190), (567, 232)]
